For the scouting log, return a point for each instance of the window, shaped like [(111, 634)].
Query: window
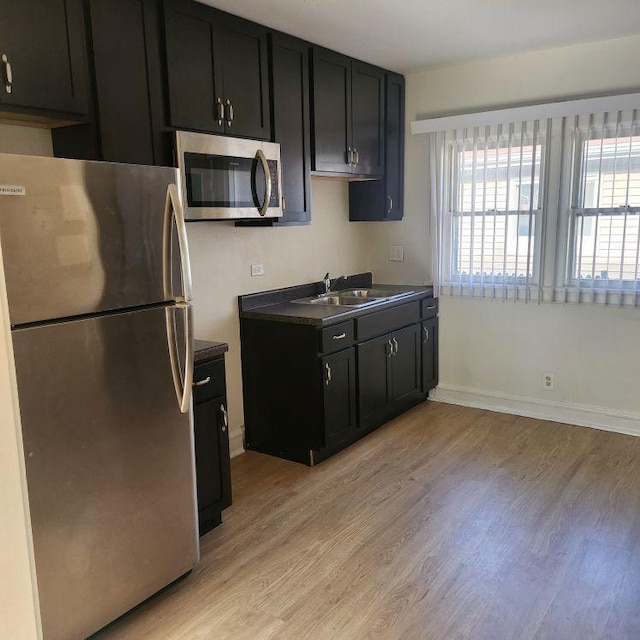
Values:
[(605, 230), (494, 196)]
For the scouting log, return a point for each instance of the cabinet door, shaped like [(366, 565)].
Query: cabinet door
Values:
[(126, 72), (192, 79), (213, 479), (367, 117), (290, 113), (393, 206), (405, 363), (339, 382), (331, 100), (429, 354), (241, 56), (374, 382), (44, 44)]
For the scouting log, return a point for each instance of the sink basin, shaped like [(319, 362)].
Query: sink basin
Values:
[(352, 297)]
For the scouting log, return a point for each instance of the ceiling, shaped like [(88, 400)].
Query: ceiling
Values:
[(407, 35)]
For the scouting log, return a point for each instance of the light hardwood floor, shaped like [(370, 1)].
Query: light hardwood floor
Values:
[(446, 523)]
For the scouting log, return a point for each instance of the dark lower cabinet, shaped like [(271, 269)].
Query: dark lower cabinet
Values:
[(429, 338), (211, 436), (339, 397), (388, 375), (43, 61)]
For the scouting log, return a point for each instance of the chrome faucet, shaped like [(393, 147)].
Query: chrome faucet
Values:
[(327, 282)]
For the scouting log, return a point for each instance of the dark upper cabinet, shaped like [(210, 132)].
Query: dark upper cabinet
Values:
[(42, 49), (367, 109), (217, 71), (429, 339), (339, 375), (291, 124), (383, 199), (128, 123), (348, 112)]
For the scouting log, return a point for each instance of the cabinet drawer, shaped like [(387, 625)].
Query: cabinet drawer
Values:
[(381, 322), (429, 308), (208, 380), (340, 336)]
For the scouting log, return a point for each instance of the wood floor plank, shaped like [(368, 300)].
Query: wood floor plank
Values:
[(446, 523)]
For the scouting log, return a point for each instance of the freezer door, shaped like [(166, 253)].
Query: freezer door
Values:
[(83, 237), (110, 466)]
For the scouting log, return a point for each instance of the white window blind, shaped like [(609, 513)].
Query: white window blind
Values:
[(492, 201), (604, 236)]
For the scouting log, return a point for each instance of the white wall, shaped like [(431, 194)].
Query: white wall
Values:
[(492, 353), (18, 612), (221, 255)]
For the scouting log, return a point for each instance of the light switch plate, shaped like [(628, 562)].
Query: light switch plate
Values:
[(396, 253)]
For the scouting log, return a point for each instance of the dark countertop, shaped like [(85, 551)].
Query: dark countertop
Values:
[(206, 350), (326, 315)]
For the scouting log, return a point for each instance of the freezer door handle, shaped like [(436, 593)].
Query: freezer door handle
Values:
[(182, 386), (173, 211)]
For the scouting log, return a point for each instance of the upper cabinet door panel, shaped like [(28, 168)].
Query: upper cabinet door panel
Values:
[(241, 48), (394, 147), (190, 69), (290, 111), (367, 92), (331, 111), (44, 44)]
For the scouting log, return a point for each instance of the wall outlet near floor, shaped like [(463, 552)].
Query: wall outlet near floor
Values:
[(396, 253), (548, 381), (257, 269)]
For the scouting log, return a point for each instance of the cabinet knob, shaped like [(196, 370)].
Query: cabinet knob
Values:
[(8, 74), (225, 417)]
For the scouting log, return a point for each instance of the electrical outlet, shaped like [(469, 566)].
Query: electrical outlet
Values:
[(396, 253), (548, 381), (257, 269)]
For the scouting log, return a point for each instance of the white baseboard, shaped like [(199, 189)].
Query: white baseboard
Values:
[(566, 412), (236, 446)]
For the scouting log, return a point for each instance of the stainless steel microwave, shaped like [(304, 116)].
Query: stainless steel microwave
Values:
[(228, 178)]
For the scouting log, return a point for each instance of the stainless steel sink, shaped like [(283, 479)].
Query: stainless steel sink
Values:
[(353, 297)]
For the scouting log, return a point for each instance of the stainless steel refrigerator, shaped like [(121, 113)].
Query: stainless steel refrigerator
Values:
[(98, 285)]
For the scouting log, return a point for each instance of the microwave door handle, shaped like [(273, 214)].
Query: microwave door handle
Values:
[(174, 211), (267, 182)]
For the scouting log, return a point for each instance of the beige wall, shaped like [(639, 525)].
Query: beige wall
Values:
[(221, 256), (18, 614), (499, 349)]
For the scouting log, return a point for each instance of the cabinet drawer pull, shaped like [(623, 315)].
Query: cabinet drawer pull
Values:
[(225, 417), (219, 111), (395, 344), (8, 73), (339, 336), (201, 383), (433, 306), (328, 373)]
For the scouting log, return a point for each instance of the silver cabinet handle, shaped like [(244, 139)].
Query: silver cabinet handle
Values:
[(395, 344), (219, 111), (284, 203), (426, 334), (390, 352), (339, 337), (225, 417), (356, 159), (267, 182), (328, 368), (433, 306), (349, 156), (8, 74), (201, 383), (390, 205), (229, 110)]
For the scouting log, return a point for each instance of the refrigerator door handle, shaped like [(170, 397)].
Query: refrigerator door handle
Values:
[(182, 387), (174, 211)]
